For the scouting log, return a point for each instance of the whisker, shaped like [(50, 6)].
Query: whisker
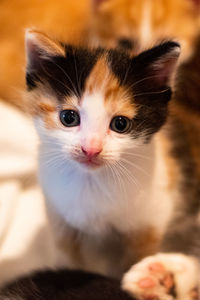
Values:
[(124, 191), (116, 171), (128, 175), (67, 76), (111, 154), (143, 79), (78, 83), (135, 166), (65, 86), (151, 93)]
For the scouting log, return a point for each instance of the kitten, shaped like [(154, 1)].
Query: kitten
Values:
[(138, 25), (99, 114)]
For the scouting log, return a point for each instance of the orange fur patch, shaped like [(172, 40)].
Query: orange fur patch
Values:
[(118, 100), (99, 77), (46, 110), (46, 107), (43, 107), (143, 243), (69, 243), (191, 124)]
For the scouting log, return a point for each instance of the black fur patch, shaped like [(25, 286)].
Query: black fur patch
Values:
[(64, 75), (64, 285), (150, 95)]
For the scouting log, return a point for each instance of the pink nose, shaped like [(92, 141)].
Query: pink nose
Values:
[(91, 152)]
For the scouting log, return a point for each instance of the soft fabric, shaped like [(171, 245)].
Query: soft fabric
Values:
[(25, 242)]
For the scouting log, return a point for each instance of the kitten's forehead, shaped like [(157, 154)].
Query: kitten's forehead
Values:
[(100, 88), (102, 85)]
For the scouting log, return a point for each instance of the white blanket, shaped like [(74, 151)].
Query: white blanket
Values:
[(25, 240)]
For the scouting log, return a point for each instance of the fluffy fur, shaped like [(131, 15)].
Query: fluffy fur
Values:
[(90, 200), (94, 177), (186, 124)]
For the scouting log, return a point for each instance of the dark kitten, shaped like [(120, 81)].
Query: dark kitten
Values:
[(64, 285)]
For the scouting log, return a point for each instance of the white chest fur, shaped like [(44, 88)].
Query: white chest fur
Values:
[(125, 200)]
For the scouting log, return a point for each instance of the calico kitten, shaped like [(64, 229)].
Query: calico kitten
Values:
[(99, 114)]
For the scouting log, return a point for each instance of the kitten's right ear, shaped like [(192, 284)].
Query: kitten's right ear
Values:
[(157, 64), (39, 47)]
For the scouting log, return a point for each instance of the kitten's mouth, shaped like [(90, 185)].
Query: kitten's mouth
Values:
[(91, 163)]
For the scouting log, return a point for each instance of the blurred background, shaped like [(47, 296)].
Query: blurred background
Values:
[(66, 20)]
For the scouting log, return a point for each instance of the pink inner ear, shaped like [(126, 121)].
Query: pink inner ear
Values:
[(32, 51), (164, 71)]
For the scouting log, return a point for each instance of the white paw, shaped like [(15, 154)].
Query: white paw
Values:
[(163, 277)]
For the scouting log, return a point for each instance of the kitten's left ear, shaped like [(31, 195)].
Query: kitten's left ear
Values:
[(157, 63)]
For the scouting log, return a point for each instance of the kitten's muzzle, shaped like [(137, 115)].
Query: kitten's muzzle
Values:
[(91, 153), (89, 157)]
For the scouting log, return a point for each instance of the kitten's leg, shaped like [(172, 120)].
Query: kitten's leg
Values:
[(163, 277)]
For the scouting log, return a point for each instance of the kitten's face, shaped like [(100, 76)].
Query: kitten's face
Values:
[(94, 106), (140, 24), (90, 130)]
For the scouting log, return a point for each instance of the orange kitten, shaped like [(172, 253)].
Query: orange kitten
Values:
[(145, 22)]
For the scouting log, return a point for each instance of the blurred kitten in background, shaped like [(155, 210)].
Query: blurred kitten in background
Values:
[(137, 25)]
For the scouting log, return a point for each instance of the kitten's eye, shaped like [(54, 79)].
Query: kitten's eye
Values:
[(69, 118), (120, 124)]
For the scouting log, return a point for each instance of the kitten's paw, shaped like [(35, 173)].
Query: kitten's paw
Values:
[(163, 277)]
